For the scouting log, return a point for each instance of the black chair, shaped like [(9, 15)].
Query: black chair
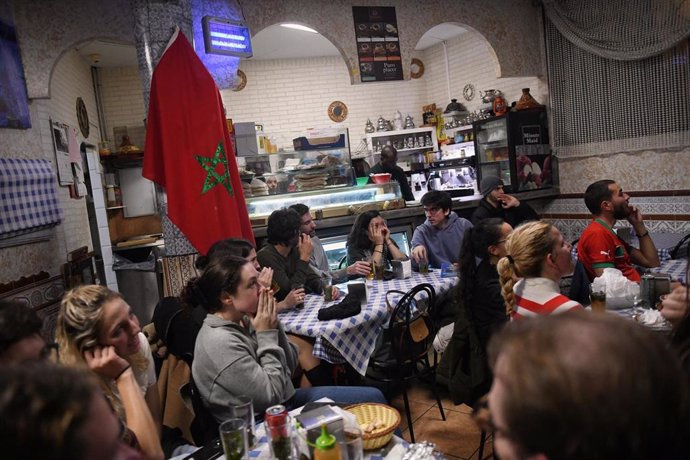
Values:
[(342, 263), (406, 344), (204, 427), (579, 287)]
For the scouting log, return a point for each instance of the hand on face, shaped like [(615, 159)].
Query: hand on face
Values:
[(635, 216), (376, 234), (360, 267), (265, 278), (306, 247), (105, 362), (508, 201), (266, 317), (419, 254)]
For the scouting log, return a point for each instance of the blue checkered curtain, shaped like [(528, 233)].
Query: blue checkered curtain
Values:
[(28, 197)]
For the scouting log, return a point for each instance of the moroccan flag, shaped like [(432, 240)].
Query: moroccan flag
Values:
[(188, 150)]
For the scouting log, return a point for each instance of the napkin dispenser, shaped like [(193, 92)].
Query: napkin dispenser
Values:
[(402, 268), (359, 290), (324, 415)]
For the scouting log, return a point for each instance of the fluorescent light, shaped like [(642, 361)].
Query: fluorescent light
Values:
[(299, 27)]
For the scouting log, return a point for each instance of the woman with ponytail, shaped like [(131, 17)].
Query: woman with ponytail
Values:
[(537, 258)]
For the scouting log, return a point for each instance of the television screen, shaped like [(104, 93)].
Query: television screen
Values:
[(456, 180)]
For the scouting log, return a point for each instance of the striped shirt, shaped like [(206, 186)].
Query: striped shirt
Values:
[(539, 296)]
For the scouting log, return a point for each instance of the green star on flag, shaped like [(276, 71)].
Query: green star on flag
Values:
[(209, 164)]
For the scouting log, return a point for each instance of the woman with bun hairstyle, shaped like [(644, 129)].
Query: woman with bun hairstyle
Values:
[(242, 348), (239, 247), (97, 330), (537, 257)]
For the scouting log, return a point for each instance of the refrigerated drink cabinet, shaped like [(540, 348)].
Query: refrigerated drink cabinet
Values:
[(515, 147)]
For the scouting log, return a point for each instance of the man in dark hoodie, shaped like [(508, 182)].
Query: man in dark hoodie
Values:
[(497, 203), (439, 238)]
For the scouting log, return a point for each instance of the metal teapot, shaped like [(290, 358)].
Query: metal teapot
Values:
[(489, 95)]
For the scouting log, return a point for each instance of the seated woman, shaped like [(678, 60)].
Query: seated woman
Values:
[(370, 241), (242, 348), (537, 256), (96, 329), (315, 373), (239, 247)]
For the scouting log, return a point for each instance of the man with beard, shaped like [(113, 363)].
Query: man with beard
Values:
[(319, 260), (288, 252), (600, 247)]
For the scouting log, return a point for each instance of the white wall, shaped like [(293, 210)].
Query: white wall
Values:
[(288, 96), (71, 79), (471, 60), (122, 96)]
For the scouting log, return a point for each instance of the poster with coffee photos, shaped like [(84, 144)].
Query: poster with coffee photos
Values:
[(378, 45)]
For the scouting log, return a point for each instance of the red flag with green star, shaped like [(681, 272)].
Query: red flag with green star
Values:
[(188, 150)]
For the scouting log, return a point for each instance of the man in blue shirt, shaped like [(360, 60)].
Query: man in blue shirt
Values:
[(439, 238)]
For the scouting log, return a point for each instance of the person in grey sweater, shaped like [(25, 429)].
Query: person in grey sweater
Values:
[(242, 348)]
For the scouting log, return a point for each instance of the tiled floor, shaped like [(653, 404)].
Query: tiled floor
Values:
[(457, 437)]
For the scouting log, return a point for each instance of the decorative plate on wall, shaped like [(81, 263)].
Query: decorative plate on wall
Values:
[(82, 117), (416, 68), (242, 81), (468, 92), (337, 111)]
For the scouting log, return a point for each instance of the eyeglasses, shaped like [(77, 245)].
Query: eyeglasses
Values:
[(432, 210)]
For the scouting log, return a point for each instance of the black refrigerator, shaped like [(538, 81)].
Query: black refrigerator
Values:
[(515, 147)]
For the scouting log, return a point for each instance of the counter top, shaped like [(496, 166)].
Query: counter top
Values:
[(463, 202)]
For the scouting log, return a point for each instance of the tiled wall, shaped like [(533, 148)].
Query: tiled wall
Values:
[(71, 79)]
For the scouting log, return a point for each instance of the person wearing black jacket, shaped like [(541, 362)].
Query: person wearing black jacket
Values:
[(388, 164), (496, 203)]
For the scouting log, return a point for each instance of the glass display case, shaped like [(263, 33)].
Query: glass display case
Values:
[(337, 202), (515, 147), (312, 163)]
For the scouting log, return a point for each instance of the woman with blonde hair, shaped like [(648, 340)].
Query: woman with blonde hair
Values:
[(537, 257), (97, 330)]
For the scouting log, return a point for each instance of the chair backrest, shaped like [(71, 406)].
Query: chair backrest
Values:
[(343, 262), (413, 326), (676, 250), (579, 286), (178, 327), (204, 427)]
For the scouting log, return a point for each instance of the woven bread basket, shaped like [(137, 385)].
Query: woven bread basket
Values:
[(385, 418)]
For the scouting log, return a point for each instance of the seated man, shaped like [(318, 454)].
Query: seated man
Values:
[(496, 203), (20, 333), (288, 253), (582, 386), (389, 164), (439, 238), (600, 247), (319, 260)]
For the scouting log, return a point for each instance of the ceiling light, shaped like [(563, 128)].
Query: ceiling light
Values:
[(299, 27)]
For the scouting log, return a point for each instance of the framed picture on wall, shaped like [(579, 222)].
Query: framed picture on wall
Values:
[(62, 160)]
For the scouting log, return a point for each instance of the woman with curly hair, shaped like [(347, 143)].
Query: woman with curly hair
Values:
[(537, 257), (97, 330), (370, 240)]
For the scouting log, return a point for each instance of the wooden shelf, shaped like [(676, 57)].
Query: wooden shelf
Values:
[(123, 160)]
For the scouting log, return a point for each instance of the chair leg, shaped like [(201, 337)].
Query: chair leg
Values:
[(438, 400), (482, 440), (408, 414)]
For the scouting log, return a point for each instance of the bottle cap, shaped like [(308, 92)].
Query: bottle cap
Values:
[(325, 441)]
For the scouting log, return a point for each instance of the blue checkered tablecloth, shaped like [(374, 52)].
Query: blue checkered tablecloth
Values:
[(354, 339), (28, 196), (675, 267)]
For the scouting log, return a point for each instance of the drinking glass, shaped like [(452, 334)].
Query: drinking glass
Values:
[(423, 267), (280, 439), (233, 436), (372, 272), (351, 448), (597, 299), (327, 288), (245, 410)]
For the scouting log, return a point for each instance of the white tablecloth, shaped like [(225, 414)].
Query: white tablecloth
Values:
[(354, 339)]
